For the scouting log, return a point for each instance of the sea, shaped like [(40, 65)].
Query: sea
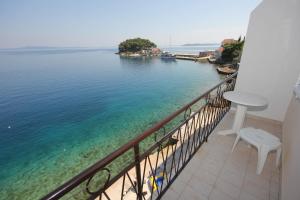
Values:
[(63, 109)]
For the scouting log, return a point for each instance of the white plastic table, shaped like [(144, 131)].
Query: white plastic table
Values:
[(243, 100)]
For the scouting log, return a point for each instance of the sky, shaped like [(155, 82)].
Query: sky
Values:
[(105, 23)]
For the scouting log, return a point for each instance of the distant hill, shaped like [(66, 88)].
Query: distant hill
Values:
[(201, 44), (50, 50), (47, 48)]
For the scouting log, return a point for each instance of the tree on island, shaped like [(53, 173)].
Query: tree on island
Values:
[(135, 45), (232, 52)]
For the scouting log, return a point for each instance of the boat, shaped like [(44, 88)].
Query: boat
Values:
[(167, 55), (226, 70), (211, 59)]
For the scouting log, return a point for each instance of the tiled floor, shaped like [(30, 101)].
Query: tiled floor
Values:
[(215, 173)]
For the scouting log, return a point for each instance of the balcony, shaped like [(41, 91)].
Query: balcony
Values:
[(148, 165), (215, 173), (198, 164)]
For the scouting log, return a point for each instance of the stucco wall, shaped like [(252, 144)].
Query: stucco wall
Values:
[(270, 62), (290, 186)]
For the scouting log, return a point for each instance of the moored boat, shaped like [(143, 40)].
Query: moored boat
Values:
[(167, 55), (226, 70), (211, 59)]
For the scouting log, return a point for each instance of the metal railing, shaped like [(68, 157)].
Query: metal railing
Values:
[(145, 167)]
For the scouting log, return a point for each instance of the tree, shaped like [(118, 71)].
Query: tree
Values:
[(232, 52), (135, 45)]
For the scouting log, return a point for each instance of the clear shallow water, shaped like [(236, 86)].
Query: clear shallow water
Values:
[(62, 110)]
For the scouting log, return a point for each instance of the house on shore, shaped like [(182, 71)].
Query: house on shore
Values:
[(206, 53), (150, 52), (218, 52)]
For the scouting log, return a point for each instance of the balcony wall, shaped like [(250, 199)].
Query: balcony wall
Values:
[(270, 61), (270, 67), (291, 149)]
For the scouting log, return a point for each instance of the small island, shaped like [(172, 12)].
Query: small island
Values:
[(138, 47)]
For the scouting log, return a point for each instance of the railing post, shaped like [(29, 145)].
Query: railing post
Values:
[(138, 172)]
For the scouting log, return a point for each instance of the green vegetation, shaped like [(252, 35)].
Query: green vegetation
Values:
[(232, 52), (135, 45)]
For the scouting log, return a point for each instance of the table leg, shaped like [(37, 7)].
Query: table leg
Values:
[(238, 121)]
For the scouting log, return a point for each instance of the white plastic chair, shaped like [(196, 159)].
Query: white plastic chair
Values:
[(263, 141)]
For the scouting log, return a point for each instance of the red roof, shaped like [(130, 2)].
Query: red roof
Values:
[(220, 49)]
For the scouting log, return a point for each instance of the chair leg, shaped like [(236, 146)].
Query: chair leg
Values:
[(262, 157), (235, 142), (278, 153)]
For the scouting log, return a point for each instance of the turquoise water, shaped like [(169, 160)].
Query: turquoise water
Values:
[(63, 109)]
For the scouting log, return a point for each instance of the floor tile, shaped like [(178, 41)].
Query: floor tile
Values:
[(200, 186), (232, 190), (189, 194), (247, 196), (215, 173), (217, 194), (255, 190)]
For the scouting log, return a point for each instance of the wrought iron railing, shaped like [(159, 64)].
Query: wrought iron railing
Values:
[(145, 167)]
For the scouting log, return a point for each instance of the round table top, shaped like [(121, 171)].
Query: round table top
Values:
[(246, 99)]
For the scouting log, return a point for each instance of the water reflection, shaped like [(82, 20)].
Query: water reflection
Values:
[(46, 51), (137, 61), (144, 61), (169, 61)]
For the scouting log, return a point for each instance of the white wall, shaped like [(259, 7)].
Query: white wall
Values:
[(270, 62), (290, 185)]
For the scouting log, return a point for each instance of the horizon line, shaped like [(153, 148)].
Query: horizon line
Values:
[(97, 47)]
